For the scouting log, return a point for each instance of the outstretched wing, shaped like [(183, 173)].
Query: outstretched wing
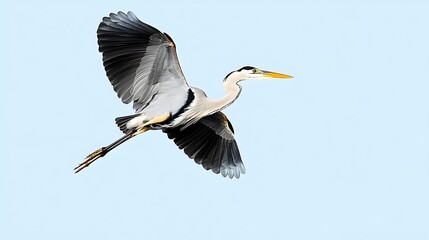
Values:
[(140, 61), (211, 143)]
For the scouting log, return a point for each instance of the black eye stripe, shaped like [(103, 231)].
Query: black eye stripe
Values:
[(254, 70), (246, 68)]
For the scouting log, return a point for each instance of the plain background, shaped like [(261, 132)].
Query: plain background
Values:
[(339, 152)]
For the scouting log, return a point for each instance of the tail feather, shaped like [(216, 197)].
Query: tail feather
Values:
[(122, 122)]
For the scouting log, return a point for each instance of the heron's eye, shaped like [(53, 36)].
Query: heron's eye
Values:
[(254, 70)]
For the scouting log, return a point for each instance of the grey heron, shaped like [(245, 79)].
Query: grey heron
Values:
[(142, 65)]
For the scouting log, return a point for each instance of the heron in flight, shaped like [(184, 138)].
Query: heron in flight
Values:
[(142, 65)]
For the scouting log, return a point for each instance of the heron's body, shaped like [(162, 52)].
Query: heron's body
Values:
[(142, 65)]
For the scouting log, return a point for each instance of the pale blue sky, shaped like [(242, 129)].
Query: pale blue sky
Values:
[(339, 152)]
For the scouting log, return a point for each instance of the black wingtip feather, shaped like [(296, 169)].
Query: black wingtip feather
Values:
[(210, 142)]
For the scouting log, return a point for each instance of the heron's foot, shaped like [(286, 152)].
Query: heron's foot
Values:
[(90, 159)]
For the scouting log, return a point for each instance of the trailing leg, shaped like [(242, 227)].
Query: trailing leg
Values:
[(101, 152)]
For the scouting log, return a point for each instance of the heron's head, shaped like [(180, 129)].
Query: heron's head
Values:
[(249, 72)]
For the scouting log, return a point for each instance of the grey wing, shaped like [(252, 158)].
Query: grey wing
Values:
[(211, 143), (140, 61)]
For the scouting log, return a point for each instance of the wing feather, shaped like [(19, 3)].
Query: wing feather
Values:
[(139, 60), (211, 143)]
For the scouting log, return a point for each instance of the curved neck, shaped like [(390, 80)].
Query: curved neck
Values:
[(232, 91)]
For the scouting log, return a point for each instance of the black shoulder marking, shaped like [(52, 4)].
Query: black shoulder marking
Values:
[(191, 97)]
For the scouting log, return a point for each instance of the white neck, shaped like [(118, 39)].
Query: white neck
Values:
[(204, 106), (232, 91)]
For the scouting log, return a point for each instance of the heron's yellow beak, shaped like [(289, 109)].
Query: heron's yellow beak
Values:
[(269, 74)]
